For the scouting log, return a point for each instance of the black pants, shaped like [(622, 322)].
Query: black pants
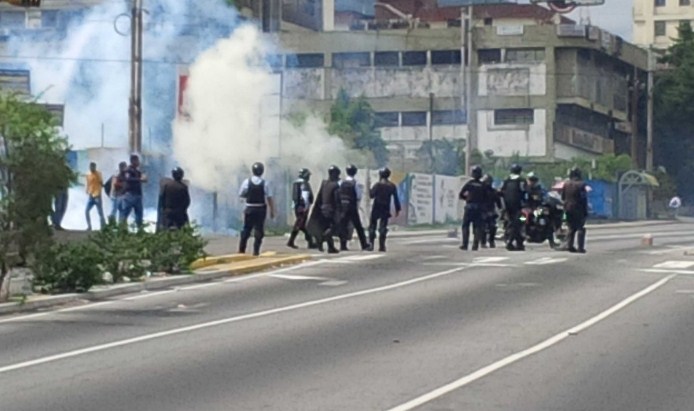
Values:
[(489, 228), (329, 224), (253, 220), (577, 228), (174, 218), (473, 216), (379, 220), (513, 229), (351, 215)]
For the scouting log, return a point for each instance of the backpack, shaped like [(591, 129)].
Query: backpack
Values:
[(107, 186)]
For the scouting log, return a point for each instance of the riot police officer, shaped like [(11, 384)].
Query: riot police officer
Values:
[(328, 207), (302, 198), (492, 203), (382, 193), (575, 196), (536, 193), (175, 200), (513, 193), (350, 197), (474, 193), (258, 195)]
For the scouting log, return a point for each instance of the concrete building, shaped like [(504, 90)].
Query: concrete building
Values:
[(656, 21), (541, 86)]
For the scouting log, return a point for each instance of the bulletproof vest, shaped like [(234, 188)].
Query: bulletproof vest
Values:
[(575, 198), (328, 193), (382, 191), (348, 193), (256, 193), (475, 192), (296, 193), (513, 193)]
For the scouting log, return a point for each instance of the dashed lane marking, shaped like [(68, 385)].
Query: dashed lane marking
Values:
[(675, 264), (546, 260)]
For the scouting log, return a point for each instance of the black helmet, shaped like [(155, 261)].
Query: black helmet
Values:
[(177, 173), (487, 179), (384, 172), (304, 173), (516, 169), (334, 172), (351, 170), (258, 169), (476, 172), (575, 172), (533, 177)]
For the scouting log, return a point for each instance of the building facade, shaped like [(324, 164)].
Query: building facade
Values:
[(656, 21)]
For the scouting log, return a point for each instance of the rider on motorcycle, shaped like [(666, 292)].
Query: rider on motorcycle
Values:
[(535, 192)]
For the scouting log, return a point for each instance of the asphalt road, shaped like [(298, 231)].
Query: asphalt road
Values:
[(424, 326)]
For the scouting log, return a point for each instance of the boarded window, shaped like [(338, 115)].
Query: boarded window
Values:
[(414, 118), (525, 55), (445, 57), (513, 116), (660, 3), (312, 60), (489, 56), (414, 58), (447, 117), (350, 60), (386, 58), (659, 28), (387, 119)]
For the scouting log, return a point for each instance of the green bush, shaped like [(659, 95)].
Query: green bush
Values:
[(175, 250), (69, 267), (123, 253)]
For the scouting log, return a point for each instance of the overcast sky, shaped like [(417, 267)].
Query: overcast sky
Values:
[(614, 16)]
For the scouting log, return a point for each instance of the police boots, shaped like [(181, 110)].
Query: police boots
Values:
[(292, 239), (466, 239), (581, 239), (492, 237)]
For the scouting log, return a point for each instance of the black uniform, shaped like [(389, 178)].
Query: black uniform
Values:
[(350, 214), (513, 193), (328, 203), (174, 200), (492, 202), (254, 216), (475, 194), (381, 193), (535, 196), (575, 198), (301, 209)]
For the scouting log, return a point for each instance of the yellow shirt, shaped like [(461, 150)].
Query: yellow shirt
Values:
[(94, 184)]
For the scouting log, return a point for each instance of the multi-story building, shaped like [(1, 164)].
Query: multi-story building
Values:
[(541, 86), (656, 21)]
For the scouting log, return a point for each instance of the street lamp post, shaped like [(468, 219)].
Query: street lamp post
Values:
[(135, 110), (466, 38)]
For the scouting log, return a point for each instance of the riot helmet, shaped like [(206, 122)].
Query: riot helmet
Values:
[(258, 169)]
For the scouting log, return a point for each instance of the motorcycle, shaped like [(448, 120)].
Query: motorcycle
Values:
[(537, 225)]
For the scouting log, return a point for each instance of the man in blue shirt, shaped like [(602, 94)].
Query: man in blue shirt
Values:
[(133, 178), (258, 195)]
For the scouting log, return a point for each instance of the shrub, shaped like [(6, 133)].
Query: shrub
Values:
[(70, 267)]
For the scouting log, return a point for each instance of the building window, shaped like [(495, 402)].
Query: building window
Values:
[(488, 21), (387, 119), (514, 116), (489, 56), (659, 28), (313, 60), (660, 3), (386, 58), (414, 118), (447, 117), (13, 19), (525, 55), (414, 58), (685, 2), (351, 60), (445, 57)]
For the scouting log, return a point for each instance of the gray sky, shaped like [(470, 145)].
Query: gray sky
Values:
[(614, 16)]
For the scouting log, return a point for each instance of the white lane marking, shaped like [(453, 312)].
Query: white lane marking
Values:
[(669, 249), (62, 310), (667, 271), (433, 257), (333, 283), (198, 286), (490, 259), (431, 240), (360, 257), (546, 260), (148, 294), (674, 264), (298, 277), (147, 337), (482, 372)]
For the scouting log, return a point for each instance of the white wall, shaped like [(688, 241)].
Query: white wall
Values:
[(507, 140), (513, 80)]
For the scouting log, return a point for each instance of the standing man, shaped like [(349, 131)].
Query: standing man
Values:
[(114, 187), (328, 207), (59, 208), (93, 187), (513, 193), (474, 193), (575, 196), (175, 200), (258, 195), (492, 203), (302, 198), (350, 197), (382, 193), (132, 178)]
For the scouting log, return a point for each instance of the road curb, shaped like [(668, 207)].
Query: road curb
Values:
[(208, 273)]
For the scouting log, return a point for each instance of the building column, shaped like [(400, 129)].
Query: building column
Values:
[(551, 79)]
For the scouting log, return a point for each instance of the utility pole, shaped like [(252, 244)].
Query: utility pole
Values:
[(466, 37), (135, 111), (649, 114), (431, 133), (634, 120)]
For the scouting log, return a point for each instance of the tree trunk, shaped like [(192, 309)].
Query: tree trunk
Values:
[(4, 283)]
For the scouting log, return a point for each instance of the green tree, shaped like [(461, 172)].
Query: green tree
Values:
[(674, 111), (448, 156), (33, 169), (354, 120)]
